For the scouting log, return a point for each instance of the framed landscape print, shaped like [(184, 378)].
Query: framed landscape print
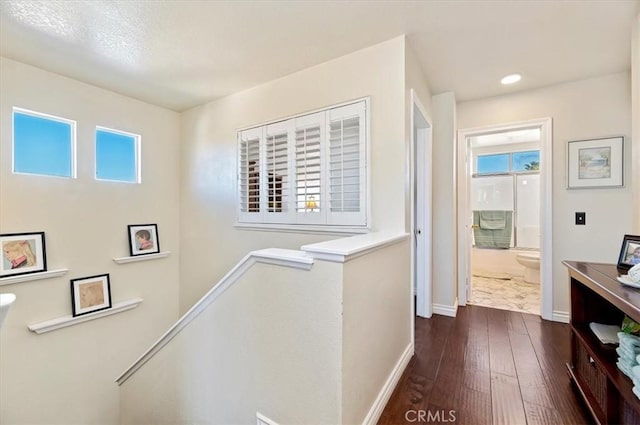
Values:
[(22, 253), (595, 163)]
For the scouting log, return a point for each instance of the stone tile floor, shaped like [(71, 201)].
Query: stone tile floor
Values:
[(505, 292)]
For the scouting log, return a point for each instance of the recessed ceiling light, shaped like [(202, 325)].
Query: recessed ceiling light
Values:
[(511, 78)]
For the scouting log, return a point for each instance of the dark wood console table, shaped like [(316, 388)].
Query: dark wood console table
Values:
[(596, 296)]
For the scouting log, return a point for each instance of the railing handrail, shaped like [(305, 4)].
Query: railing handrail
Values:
[(281, 257)]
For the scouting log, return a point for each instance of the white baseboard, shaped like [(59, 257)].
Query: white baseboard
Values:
[(385, 393), (561, 316), (446, 310)]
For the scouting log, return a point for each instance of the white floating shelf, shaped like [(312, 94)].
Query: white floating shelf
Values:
[(124, 260), (63, 322), (32, 276)]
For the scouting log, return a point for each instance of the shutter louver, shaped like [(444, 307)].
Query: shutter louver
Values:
[(277, 172), (249, 180), (308, 167), (344, 165)]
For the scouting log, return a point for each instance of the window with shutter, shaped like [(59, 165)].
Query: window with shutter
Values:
[(249, 175), (306, 170)]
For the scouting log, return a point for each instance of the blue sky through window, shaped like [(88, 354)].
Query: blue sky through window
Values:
[(42, 145), (493, 163), (520, 159), (116, 156)]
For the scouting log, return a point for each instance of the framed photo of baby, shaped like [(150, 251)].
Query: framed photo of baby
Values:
[(22, 253), (143, 239), (630, 252), (89, 294)]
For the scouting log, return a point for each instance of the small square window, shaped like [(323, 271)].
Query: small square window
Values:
[(43, 144), (117, 156)]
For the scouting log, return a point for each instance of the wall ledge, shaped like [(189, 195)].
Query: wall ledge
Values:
[(346, 249), (65, 321), (124, 260), (32, 276)]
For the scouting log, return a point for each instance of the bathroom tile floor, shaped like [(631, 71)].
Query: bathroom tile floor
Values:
[(508, 292)]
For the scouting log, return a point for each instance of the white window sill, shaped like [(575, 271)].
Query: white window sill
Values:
[(303, 228)]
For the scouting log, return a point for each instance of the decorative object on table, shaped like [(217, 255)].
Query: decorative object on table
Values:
[(22, 253), (630, 326), (595, 163), (89, 294), (629, 252), (628, 352), (606, 334), (634, 274), (143, 239)]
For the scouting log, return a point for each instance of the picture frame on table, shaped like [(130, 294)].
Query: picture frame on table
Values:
[(629, 252)]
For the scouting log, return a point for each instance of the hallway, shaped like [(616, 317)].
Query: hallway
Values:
[(487, 366)]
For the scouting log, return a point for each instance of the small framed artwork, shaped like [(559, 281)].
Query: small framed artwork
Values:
[(630, 252), (595, 163), (89, 294), (143, 239), (22, 253)]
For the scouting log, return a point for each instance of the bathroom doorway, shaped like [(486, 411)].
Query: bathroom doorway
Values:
[(504, 228)]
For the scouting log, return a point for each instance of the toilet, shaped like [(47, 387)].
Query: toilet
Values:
[(531, 263)]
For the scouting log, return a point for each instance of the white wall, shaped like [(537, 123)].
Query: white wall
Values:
[(376, 325), (635, 85), (445, 258), (591, 108), (278, 354), (210, 243), (66, 376)]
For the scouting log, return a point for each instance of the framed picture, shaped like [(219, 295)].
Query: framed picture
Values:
[(630, 252), (143, 239), (89, 294), (595, 163), (22, 253)]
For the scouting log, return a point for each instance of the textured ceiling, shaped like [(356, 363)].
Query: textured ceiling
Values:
[(179, 54)]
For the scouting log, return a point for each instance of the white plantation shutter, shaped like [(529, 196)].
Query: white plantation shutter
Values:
[(249, 175), (308, 170), (347, 165), (277, 176)]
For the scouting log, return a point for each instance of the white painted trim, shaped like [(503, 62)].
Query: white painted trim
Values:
[(423, 288), (387, 389), (135, 258), (561, 316), (263, 420), (65, 321), (280, 257), (10, 280), (446, 310), (346, 249), (546, 206), (302, 228)]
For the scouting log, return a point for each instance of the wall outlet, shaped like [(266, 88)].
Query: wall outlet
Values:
[(581, 218)]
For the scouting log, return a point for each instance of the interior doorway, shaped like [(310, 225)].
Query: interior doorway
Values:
[(421, 189), (504, 216)]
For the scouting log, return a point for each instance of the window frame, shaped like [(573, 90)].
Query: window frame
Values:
[(137, 154), (299, 221), (42, 115)]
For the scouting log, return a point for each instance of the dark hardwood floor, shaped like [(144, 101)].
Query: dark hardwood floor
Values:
[(487, 366)]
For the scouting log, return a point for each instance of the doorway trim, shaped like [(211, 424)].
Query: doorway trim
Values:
[(421, 208), (546, 210)]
